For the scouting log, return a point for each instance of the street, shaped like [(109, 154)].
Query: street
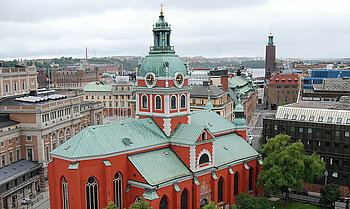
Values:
[(255, 125)]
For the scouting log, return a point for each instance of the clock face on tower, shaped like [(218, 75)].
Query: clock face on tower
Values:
[(150, 80), (179, 79)]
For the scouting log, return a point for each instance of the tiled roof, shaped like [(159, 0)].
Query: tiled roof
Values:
[(214, 122), (16, 170), (93, 86), (284, 79), (111, 138), (159, 166), (202, 91), (230, 148), (186, 133)]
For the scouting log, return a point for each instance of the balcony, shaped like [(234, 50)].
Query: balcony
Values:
[(162, 48)]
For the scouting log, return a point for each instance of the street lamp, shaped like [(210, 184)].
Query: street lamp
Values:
[(325, 177)]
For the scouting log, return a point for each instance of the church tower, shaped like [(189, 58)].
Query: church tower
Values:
[(162, 91), (270, 64)]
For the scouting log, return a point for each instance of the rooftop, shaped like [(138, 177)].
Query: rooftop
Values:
[(17, 169), (202, 91)]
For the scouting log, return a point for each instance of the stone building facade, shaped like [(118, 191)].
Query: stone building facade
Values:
[(17, 80), (282, 88), (33, 126), (114, 97)]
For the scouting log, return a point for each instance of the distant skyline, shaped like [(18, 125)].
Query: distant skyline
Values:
[(221, 28)]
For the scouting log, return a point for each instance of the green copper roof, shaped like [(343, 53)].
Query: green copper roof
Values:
[(237, 81), (214, 122), (159, 166), (157, 63), (95, 86), (111, 138), (186, 133), (230, 148)]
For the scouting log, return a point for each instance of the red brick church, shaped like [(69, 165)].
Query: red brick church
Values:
[(172, 157)]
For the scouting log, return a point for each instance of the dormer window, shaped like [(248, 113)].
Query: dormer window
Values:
[(204, 135), (320, 119), (285, 116), (311, 118), (294, 117), (302, 118), (330, 119), (339, 120), (204, 159)]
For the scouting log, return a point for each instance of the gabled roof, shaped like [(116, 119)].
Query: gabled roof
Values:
[(159, 166), (187, 133), (95, 86), (230, 148), (111, 138), (214, 122)]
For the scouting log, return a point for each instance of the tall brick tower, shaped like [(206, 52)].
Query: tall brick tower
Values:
[(270, 64)]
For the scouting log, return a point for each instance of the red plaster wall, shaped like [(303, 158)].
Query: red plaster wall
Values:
[(183, 153)]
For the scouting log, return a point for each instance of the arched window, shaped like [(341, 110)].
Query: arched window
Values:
[(91, 193), (204, 159), (144, 102), (184, 199), (65, 195), (183, 101), (158, 102), (250, 179), (235, 185), (220, 190), (15, 86), (118, 190), (6, 88), (173, 102), (163, 203), (204, 135)]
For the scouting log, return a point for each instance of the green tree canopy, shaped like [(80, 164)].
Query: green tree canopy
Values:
[(286, 166), (329, 194), (210, 205), (141, 204), (111, 205), (245, 201)]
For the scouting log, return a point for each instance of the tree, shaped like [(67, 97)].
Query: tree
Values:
[(245, 201), (141, 204), (329, 194), (111, 205), (210, 205), (286, 166)]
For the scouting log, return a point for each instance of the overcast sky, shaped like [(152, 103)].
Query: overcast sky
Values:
[(210, 28)]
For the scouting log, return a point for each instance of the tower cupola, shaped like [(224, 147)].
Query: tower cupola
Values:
[(270, 43)]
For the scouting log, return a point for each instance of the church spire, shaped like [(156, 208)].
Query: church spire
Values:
[(209, 105)]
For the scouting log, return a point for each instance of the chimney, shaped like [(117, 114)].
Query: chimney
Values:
[(86, 57), (224, 82)]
